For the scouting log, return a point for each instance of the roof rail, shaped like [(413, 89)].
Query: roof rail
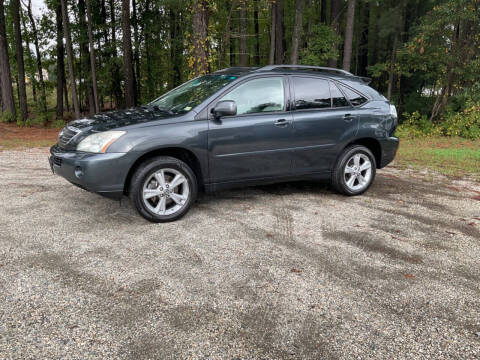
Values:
[(317, 68), (235, 68)]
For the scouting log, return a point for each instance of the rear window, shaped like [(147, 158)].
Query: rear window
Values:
[(355, 98), (311, 93)]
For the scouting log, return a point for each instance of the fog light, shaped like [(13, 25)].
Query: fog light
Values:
[(78, 172)]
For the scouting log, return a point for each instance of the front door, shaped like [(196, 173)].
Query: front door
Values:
[(256, 142)]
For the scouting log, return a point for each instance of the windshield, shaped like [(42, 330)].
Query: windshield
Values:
[(184, 98)]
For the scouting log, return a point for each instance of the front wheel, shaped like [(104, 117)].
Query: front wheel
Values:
[(354, 171), (163, 189)]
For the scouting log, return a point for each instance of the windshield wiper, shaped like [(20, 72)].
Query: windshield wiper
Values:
[(170, 112), (156, 107)]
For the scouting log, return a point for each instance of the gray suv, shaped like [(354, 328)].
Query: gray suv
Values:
[(234, 127)]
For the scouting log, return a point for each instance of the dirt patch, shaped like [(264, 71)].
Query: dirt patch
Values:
[(13, 136)]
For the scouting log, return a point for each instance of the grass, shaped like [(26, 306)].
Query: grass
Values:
[(449, 156)]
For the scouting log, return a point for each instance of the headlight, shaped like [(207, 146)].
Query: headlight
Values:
[(99, 142)]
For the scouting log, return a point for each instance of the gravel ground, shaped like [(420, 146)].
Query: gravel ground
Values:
[(290, 271)]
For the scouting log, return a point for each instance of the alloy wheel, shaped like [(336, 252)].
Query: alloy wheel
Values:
[(358, 172), (165, 192)]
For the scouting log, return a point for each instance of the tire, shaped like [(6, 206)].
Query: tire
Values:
[(347, 168), (157, 201)]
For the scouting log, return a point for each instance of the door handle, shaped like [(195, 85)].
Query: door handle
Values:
[(348, 117), (281, 122)]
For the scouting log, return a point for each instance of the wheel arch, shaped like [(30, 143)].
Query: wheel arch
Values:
[(370, 143), (183, 154)]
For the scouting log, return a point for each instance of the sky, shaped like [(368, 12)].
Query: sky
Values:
[(37, 6)]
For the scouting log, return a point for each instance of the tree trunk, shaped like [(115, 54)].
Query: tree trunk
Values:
[(85, 57), (22, 94), (127, 56), (372, 33), (226, 36), (39, 57), (200, 28), (279, 33), (231, 41), (136, 53), (362, 46), (65, 92), (323, 12), (243, 33), (257, 33), (92, 58), (30, 61), (347, 49), (68, 42), (391, 71), (271, 57), (297, 30), (60, 62), (176, 48), (148, 54), (115, 84), (8, 103), (335, 10)]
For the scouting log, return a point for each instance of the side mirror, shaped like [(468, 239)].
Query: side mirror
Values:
[(225, 108)]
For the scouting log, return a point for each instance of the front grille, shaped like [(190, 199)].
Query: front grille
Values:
[(57, 161), (67, 134)]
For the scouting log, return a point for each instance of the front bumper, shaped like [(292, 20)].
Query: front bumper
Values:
[(104, 174), (389, 150)]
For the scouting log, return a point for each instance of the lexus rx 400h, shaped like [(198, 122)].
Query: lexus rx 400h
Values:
[(234, 127)]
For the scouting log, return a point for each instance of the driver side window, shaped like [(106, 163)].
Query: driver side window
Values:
[(258, 95)]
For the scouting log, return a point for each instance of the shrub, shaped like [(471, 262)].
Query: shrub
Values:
[(416, 125), (465, 124), (7, 116), (57, 123)]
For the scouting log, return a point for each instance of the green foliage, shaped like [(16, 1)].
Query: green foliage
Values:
[(417, 125), (465, 124), (322, 45), (57, 124), (444, 51), (6, 117)]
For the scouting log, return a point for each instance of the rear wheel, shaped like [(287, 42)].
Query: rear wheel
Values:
[(354, 171), (163, 189)]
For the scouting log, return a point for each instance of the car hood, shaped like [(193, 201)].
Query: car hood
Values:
[(77, 130), (119, 118)]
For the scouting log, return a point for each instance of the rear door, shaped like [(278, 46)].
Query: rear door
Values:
[(255, 143), (323, 118)]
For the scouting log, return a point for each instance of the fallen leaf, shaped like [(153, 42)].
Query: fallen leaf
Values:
[(472, 223), (296, 270), (409, 276), (451, 233)]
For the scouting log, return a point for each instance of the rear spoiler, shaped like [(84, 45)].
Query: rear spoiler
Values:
[(365, 80)]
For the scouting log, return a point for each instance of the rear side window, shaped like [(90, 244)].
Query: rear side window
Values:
[(355, 98), (311, 93), (338, 100)]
